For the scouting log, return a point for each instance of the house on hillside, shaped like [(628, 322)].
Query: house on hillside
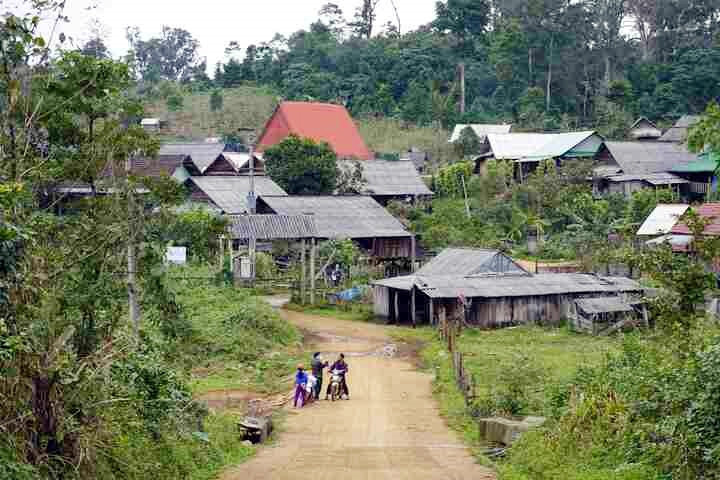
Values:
[(626, 167), (701, 175), (228, 195), (386, 180), (710, 213), (678, 133), (481, 130), (354, 217), (527, 150), (152, 125), (489, 290), (644, 130), (321, 122), (657, 227)]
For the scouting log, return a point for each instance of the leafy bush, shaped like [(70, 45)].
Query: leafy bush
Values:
[(175, 102)]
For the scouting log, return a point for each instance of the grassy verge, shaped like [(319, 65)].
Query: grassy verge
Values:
[(356, 312), (518, 367)]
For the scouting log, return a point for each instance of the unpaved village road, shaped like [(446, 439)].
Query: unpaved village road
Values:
[(390, 429)]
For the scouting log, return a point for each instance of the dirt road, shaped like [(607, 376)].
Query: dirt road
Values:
[(389, 429)]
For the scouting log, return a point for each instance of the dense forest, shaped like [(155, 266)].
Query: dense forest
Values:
[(541, 64)]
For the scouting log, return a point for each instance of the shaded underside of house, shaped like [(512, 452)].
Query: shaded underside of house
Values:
[(356, 217), (494, 300)]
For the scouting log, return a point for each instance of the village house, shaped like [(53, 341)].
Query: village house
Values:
[(644, 130), (354, 217), (657, 227), (321, 122), (678, 133), (527, 150), (387, 180), (228, 195), (481, 130), (700, 175), (490, 290), (627, 167)]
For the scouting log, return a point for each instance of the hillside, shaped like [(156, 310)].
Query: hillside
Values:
[(250, 107)]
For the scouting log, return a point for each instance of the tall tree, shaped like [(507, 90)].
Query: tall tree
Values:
[(172, 56), (365, 17)]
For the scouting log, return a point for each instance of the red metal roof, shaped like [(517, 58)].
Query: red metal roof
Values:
[(322, 122), (709, 211)]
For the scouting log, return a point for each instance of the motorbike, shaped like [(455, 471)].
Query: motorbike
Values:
[(336, 389)]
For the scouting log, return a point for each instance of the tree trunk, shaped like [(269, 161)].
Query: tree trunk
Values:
[(549, 75), (607, 77), (133, 303), (45, 441)]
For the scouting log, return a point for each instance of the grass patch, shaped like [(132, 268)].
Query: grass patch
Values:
[(356, 312), (395, 136), (497, 358)]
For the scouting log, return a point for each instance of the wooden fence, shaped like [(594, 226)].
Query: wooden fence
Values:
[(450, 331)]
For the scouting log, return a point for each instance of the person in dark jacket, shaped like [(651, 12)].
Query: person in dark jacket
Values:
[(343, 368), (318, 366)]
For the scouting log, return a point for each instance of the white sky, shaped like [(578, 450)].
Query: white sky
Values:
[(214, 23)]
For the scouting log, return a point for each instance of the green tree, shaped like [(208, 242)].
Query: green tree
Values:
[(302, 167), (171, 56), (468, 144), (216, 100)]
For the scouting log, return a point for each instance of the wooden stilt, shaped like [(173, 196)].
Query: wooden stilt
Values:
[(302, 272), (313, 253), (412, 307)]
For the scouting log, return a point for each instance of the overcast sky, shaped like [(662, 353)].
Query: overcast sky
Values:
[(217, 22)]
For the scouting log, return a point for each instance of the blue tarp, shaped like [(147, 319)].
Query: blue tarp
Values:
[(349, 295)]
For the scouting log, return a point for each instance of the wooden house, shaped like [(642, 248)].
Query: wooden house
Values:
[(678, 133), (644, 130), (606, 315), (627, 167), (527, 150), (229, 194), (386, 180), (497, 294), (355, 217), (321, 122), (701, 175)]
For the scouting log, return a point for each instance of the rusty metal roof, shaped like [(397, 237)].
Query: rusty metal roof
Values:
[(271, 227)]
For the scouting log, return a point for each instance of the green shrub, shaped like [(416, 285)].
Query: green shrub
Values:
[(175, 102)]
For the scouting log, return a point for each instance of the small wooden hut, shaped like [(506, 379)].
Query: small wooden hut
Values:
[(605, 315)]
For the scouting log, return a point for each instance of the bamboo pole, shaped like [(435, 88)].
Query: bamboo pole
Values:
[(302, 272), (313, 248)]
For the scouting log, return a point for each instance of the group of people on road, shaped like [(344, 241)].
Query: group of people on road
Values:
[(308, 385)]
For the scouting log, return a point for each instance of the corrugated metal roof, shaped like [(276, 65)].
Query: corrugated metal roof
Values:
[(242, 159), (352, 216), (385, 177), (651, 178), (202, 154), (593, 306), (662, 219), (679, 243), (678, 133), (322, 122), (272, 227), (469, 261), (707, 211), (705, 163), (150, 122), (499, 286), (230, 192), (649, 157), (481, 130), (535, 146)]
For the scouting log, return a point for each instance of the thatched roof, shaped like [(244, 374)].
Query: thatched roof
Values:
[(351, 217), (392, 178), (230, 193), (272, 227), (648, 157), (469, 261)]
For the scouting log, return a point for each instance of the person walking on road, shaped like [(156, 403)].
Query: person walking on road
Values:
[(301, 380), (317, 365), (342, 367)]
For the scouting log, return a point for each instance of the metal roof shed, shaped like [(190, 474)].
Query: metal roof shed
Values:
[(271, 227), (229, 193), (662, 219)]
